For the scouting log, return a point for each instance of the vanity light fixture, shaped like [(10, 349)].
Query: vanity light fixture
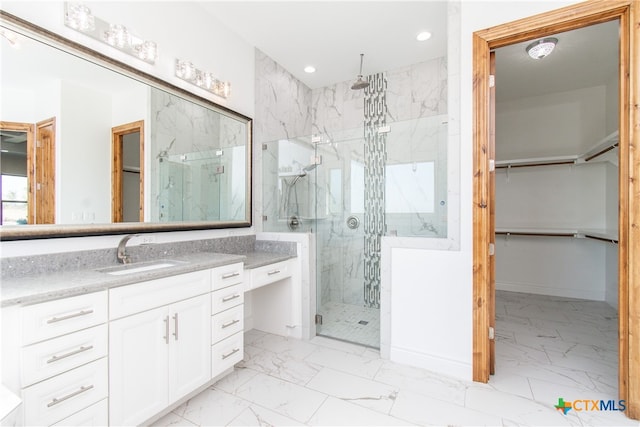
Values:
[(185, 70), (541, 48), (79, 17)]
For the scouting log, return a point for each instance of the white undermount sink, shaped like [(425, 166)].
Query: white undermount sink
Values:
[(140, 267)]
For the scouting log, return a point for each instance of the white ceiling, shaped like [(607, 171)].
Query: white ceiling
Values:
[(330, 35), (582, 58)]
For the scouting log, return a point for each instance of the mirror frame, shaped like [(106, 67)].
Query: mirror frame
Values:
[(43, 231)]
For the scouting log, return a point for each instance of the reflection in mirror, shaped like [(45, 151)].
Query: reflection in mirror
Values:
[(119, 146)]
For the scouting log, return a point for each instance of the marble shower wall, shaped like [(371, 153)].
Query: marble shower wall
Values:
[(283, 111), (416, 95), (186, 182)]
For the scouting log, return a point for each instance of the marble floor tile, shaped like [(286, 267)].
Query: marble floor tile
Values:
[(539, 358), (172, 419), (421, 381), (347, 362), (212, 407), (282, 365), (256, 415), (361, 391), (338, 412), (288, 399), (422, 410)]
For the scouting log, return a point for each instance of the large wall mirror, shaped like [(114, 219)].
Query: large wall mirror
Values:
[(92, 146)]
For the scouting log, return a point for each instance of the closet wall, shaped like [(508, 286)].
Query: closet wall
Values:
[(576, 199)]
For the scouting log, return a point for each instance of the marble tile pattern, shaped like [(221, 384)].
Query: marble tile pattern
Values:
[(327, 382), (185, 138)]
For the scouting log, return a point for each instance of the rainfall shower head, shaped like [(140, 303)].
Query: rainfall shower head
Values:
[(360, 83)]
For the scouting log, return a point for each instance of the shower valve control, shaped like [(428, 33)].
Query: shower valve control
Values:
[(353, 222)]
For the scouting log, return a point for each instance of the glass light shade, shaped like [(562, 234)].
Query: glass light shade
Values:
[(118, 36), (79, 17), (541, 48)]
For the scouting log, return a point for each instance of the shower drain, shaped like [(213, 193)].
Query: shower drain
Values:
[(363, 322)]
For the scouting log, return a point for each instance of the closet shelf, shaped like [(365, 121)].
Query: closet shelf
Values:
[(604, 235), (607, 144)]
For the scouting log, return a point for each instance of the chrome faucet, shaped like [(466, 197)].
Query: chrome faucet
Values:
[(123, 256)]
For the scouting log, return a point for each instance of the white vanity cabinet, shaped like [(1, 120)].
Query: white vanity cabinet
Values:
[(61, 359), (158, 355), (227, 318)]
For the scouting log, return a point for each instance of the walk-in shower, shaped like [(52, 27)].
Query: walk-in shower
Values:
[(350, 193)]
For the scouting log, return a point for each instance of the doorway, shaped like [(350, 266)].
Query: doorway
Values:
[(565, 19), (16, 164), (128, 172)]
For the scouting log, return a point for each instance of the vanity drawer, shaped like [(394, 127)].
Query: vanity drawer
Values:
[(48, 358), (226, 298), (57, 398), (227, 323), (96, 415), (271, 273), (130, 299), (227, 353), (227, 275), (54, 318)]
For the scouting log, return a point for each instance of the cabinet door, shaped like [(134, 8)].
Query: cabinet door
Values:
[(190, 346), (138, 362)]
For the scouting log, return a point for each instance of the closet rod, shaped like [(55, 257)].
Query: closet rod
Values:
[(533, 233), (604, 150), (526, 165), (602, 239)]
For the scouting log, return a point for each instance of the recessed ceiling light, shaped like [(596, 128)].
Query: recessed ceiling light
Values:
[(309, 69), (541, 48), (422, 36)]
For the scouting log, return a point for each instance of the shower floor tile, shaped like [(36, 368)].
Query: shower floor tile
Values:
[(350, 323)]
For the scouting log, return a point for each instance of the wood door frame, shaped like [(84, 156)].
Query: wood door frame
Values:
[(29, 128), (566, 19), (117, 135), (44, 166)]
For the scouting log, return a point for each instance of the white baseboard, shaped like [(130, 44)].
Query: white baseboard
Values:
[(552, 291), (437, 364)]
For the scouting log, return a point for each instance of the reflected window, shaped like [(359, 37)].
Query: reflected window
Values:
[(357, 187), (14, 199), (410, 187)]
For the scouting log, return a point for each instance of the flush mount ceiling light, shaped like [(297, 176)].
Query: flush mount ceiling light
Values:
[(423, 35), (541, 48), (79, 17), (309, 69)]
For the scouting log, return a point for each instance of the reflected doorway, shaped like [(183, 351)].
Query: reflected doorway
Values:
[(128, 172)]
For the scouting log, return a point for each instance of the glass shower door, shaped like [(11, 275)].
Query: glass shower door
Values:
[(347, 308)]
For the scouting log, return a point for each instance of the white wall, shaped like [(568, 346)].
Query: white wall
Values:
[(574, 121), (182, 30), (451, 269), (85, 151)]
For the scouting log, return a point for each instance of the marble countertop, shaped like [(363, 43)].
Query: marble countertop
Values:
[(40, 288)]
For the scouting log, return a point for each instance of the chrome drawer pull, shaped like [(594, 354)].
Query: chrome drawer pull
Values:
[(82, 389), (175, 326), (70, 316), (166, 329), (272, 272), (234, 351), (233, 322), (71, 353), (229, 298), (230, 275)]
